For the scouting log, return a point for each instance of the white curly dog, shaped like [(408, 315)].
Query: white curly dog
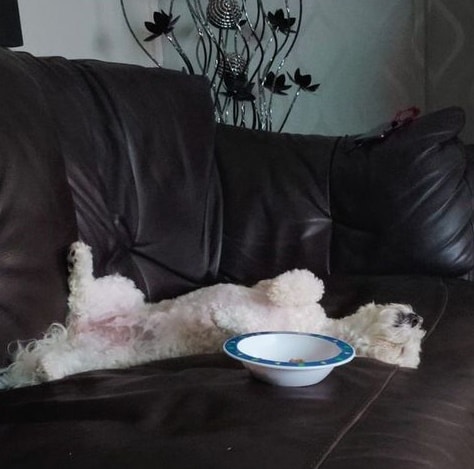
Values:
[(110, 325)]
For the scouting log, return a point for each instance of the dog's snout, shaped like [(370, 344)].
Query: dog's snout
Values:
[(408, 318)]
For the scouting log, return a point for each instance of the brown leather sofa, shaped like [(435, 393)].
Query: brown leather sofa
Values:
[(129, 159)]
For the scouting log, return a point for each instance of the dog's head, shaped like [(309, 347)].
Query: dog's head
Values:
[(396, 335)]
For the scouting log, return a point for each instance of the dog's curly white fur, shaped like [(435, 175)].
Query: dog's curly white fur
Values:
[(110, 325)]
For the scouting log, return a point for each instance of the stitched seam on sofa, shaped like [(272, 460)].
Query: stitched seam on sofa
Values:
[(323, 455)]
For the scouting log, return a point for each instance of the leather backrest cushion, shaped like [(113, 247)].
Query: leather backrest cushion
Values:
[(138, 146), (37, 221), (404, 205), (399, 205), (470, 180), (276, 202)]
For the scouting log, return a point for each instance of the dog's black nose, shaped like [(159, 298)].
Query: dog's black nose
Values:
[(414, 319)]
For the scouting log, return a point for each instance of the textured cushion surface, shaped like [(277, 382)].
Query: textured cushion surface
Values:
[(37, 221), (276, 202), (404, 204), (138, 148), (399, 205)]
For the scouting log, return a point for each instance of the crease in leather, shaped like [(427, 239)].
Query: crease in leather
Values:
[(102, 95), (355, 417), (329, 256)]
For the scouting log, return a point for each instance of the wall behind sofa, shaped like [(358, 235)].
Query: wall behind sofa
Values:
[(368, 56), (85, 29), (450, 57), (372, 57)]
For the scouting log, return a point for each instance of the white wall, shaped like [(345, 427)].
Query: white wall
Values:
[(368, 56), (450, 56), (85, 29)]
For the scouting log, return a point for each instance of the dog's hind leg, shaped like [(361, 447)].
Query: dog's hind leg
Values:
[(93, 298)]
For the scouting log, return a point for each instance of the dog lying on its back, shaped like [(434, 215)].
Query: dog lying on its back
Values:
[(110, 325)]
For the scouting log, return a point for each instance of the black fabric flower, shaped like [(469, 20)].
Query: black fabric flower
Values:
[(279, 22), (303, 81), (162, 24), (277, 84), (238, 88)]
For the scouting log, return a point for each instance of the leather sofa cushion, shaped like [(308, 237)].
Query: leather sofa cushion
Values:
[(277, 212), (136, 146), (37, 221), (404, 205), (138, 149), (401, 204)]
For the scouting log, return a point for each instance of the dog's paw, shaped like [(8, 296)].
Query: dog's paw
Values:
[(79, 253), (80, 264)]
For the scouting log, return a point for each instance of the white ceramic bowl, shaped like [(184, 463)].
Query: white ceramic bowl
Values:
[(289, 358)]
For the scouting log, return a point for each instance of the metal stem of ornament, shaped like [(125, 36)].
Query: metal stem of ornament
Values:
[(298, 27), (200, 49), (293, 101), (172, 39), (201, 53)]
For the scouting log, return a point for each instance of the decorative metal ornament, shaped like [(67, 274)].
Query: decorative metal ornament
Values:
[(224, 14), (243, 49), (232, 64)]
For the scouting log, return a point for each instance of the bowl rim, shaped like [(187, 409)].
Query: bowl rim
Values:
[(345, 355)]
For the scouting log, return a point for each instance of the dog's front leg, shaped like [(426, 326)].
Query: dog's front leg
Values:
[(233, 321)]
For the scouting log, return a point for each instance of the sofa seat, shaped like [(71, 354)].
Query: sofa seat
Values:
[(206, 412)]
